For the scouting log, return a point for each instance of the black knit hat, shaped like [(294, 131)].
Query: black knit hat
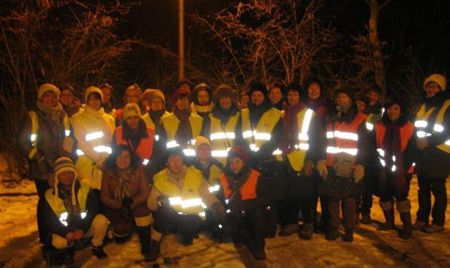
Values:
[(257, 86), (224, 91)]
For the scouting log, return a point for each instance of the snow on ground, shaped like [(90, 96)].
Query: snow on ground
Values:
[(371, 248)]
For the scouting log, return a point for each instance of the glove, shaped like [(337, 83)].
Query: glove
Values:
[(127, 201), (422, 143), (67, 144), (322, 168), (358, 173), (218, 211)]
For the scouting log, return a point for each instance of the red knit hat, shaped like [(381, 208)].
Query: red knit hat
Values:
[(180, 92), (239, 151)]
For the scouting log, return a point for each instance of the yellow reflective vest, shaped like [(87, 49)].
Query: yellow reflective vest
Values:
[(296, 158), (170, 124), (148, 120), (57, 204), (186, 200), (258, 135), (423, 121), (222, 137)]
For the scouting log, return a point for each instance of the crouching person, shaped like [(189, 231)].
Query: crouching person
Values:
[(178, 200), (245, 207), (124, 194), (71, 213)]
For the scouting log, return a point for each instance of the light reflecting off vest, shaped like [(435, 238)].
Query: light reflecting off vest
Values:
[(342, 135), (228, 211), (258, 135), (254, 148), (202, 214), (214, 188), (337, 150), (145, 162), (94, 135), (302, 146), (438, 128), (186, 203), (447, 142), (227, 201), (422, 134), (383, 163), (191, 142), (394, 168), (413, 164), (63, 218), (381, 152), (420, 123), (219, 153), (189, 152), (172, 144), (67, 132), (174, 201), (277, 152), (222, 135), (393, 158), (156, 137), (33, 137), (307, 121), (369, 126), (98, 149), (303, 136), (83, 214)]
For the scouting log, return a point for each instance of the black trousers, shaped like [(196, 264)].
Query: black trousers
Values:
[(249, 227), (41, 187), (167, 220), (438, 188)]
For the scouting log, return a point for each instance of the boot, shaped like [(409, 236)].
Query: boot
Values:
[(144, 239), (388, 211), (406, 232), (289, 229), (155, 250), (307, 231), (332, 234), (389, 224), (99, 252), (366, 218), (348, 235)]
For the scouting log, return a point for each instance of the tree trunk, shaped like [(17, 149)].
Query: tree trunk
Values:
[(376, 46)]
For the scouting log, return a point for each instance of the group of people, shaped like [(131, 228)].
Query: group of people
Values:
[(236, 166)]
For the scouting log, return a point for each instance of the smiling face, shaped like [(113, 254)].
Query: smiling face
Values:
[(236, 165), (394, 112), (175, 163), (66, 97), (156, 104), (182, 103), (257, 97), (275, 95), (94, 101), (123, 160), (49, 99), (203, 97), (314, 91), (343, 100), (431, 89), (132, 96), (293, 97), (66, 177)]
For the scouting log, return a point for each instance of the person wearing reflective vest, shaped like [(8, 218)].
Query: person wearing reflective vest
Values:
[(133, 94), (181, 127), (394, 145), (107, 90), (135, 134), (223, 126), (245, 200), (317, 102), (432, 125), (124, 194), (72, 213), (343, 168), (202, 101), (178, 200), (45, 132), (93, 129), (152, 120), (299, 144), (262, 129)]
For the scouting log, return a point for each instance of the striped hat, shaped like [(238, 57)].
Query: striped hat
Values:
[(62, 164)]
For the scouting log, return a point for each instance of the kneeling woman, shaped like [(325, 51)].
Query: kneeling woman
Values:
[(124, 194), (245, 206)]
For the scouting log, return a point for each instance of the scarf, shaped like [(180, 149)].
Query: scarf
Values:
[(236, 181), (290, 127), (257, 111), (135, 136), (68, 195), (124, 177), (184, 133), (224, 115), (156, 116), (55, 114), (202, 109)]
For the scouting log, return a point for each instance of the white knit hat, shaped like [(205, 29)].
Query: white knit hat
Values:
[(199, 140), (90, 90), (62, 164), (131, 109), (47, 87)]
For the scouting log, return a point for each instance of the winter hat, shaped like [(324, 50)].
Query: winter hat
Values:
[(179, 93), (90, 90), (202, 86), (65, 163), (147, 93), (344, 90), (47, 87), (438, 79), (363, 98), (199, 140), (156, 93), (224, 91), (133, 87), (257, 86), (239, 151), (68, 87), (292, 87), (174, 151), (131, 109)]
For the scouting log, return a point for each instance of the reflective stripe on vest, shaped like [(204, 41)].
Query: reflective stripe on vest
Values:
[(297, 157), (57, 205), (343, 138), (34, 119), (145, 147), (247, 190), (149, 122), (186, 200), (92, 137), (262, 132), (425, 126)]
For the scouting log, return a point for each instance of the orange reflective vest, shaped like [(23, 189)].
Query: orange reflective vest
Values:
[(342, 138), (145, 148), (248, 189)]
